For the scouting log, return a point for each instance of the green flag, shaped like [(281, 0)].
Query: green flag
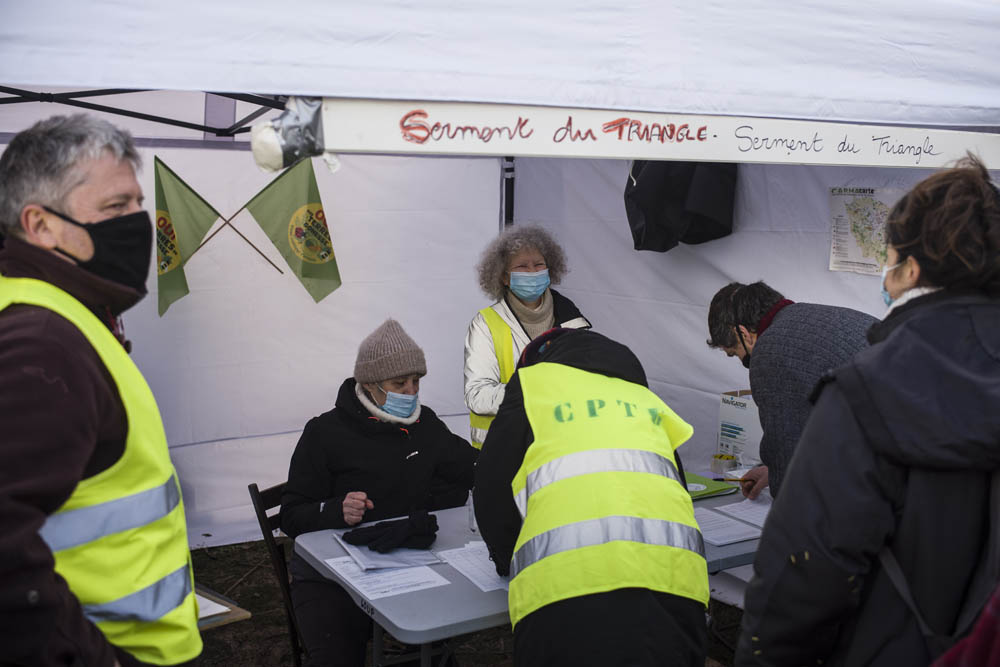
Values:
[(182, 219), (290, 212)]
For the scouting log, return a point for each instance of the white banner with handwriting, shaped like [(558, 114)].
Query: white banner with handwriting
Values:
[(387, 126)]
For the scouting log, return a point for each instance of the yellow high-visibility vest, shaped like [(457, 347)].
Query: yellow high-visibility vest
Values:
[(120, 540), (503, 346), (600, 495)]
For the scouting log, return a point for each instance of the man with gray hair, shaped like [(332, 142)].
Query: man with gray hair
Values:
[(94, 561)]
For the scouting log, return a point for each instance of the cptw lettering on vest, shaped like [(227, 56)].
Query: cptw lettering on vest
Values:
[(596, 408)]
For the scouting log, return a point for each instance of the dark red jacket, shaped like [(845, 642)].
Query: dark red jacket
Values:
[(61, 421)]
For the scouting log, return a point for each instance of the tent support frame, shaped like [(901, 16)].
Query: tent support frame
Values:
[(73, 99)]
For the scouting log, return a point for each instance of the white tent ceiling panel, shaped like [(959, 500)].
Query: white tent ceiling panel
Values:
[(888, 62)]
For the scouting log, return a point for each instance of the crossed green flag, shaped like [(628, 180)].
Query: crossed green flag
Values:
[(289, 210), (182, 219)]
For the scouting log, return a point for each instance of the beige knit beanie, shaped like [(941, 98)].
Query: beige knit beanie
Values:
[(388, 352)]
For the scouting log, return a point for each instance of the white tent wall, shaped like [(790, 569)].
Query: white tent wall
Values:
[(657, 303), (241, 363), (247, 358)]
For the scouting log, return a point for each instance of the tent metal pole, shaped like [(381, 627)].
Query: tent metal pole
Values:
[(508, 191), (27, 96), (260, 100), (238, 125), (62, 98)]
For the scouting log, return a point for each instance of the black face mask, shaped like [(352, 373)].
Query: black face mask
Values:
[(121, 248), (746, 356)]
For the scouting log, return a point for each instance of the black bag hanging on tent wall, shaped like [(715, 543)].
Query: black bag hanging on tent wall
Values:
[(679, 202)]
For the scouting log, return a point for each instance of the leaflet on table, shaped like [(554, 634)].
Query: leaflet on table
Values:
[(720, 530), (375, 584), (751, 511), (367, 559), (473, 561), (208, 607)]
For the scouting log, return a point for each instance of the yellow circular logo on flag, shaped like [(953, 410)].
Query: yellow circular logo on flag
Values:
[(168, 255), (308, 235)]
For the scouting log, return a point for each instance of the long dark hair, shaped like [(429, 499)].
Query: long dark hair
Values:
[(950, 223)]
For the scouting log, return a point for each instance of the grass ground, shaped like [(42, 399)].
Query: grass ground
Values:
[(243, 573)]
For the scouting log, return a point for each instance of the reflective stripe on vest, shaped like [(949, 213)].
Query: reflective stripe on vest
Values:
[(603, 530), (120, 539), (75, 527), (503, 347), (600, 494), (146, 605), (594, 461)]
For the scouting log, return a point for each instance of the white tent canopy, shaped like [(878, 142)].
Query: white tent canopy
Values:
[(887, 61), (242, 362)]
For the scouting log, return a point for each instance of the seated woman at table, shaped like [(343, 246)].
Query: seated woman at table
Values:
[(378, 454)]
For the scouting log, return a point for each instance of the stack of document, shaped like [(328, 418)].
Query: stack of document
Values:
[(751, 511), (473, 561), (366, 559), (375, 584), (735, 522)]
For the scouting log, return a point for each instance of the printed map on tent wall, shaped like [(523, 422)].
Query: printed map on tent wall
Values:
[(857, 228)]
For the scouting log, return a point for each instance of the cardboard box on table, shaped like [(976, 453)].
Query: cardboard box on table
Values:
[(739, 432)]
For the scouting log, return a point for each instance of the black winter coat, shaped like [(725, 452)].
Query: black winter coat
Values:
[(628, 626), (900, 459), (401, 468)]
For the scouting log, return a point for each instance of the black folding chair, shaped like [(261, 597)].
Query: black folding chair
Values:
[(262, 502)]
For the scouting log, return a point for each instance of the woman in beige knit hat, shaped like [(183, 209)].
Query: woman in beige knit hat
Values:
[(378, 454)]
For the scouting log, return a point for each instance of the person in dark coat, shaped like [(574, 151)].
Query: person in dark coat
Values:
[(596, 621), (378, 454), (893, 470), (787, 347)]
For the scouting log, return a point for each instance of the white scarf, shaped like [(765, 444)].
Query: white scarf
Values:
[(381, 414), (910, 295)]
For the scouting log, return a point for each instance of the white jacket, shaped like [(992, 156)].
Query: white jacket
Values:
[(483, 389)]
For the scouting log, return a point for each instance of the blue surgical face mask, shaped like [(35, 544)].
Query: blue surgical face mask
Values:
[(399, 405), (529, 286), (885, 293)]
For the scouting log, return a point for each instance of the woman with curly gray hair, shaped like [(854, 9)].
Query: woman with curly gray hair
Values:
[(516, 270)]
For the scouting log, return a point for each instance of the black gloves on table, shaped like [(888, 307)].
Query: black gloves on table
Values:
[(417, 531)]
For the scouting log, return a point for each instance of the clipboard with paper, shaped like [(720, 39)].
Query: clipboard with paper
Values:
[(703, 487)]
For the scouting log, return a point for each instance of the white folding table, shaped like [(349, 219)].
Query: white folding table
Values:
[(428, 615)]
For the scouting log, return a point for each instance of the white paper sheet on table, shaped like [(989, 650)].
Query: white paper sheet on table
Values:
[(720, 530), (375, 584), (367, 559), (473, 561), (208, 607), (751, 511)]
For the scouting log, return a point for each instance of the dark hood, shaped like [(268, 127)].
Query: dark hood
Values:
[(592, 352), (935, 380)]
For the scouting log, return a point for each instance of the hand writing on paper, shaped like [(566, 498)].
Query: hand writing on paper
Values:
[(754, 481), (355, 504)]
